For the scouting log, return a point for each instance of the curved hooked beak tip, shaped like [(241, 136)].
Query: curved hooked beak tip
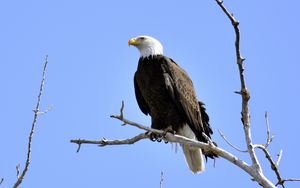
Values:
[(132, 42)]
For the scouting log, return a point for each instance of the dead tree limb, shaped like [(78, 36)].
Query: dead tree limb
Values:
[(244, 92), (36, 113), (104, 142), (169, 137), (245, 100)]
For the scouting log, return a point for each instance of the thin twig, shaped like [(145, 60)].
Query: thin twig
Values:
[(279, 157), (161, 179), (105, 142), (290, 179), (121, 110), (48, 109), (229, 143), (126, 121), (269, 137), (18, 170), (36, 113), (1, 181)]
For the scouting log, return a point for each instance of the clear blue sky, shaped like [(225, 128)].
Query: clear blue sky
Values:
[(91, 71)]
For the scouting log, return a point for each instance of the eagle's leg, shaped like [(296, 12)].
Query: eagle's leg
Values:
[(168, 130)]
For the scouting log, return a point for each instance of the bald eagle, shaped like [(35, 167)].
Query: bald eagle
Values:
[(165, 92)]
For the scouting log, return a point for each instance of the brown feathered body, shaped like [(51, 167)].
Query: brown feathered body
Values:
[(166, 92)]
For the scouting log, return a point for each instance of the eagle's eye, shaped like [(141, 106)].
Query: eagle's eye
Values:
[(142, 38)]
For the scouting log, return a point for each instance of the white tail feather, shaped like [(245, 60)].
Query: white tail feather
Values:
[(193, 156)]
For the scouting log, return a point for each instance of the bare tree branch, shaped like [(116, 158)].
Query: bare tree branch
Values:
[(245, 111), (210, 147), (244, 91), (229, 143), (245, 101), (274, 167), (36, 113), (105, 142), (1, 181)]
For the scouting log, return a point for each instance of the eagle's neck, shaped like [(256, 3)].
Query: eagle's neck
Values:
[(151, 51)]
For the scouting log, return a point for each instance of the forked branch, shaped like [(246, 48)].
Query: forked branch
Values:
[(169, 137), (244, 92)]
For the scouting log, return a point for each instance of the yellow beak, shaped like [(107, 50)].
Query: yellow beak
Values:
[(132, 42)]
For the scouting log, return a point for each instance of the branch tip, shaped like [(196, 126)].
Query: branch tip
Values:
[(220, 2), (79, 147), (279, 155), (269, 137), (18, 170), (121, 110)]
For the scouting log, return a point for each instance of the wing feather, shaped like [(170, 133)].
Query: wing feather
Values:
[(140, 100), (181, 89)]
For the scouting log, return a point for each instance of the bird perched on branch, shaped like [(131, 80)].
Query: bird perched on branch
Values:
[(165, 92)]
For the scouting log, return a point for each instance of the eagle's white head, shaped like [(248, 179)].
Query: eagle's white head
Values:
[(148, 46)]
